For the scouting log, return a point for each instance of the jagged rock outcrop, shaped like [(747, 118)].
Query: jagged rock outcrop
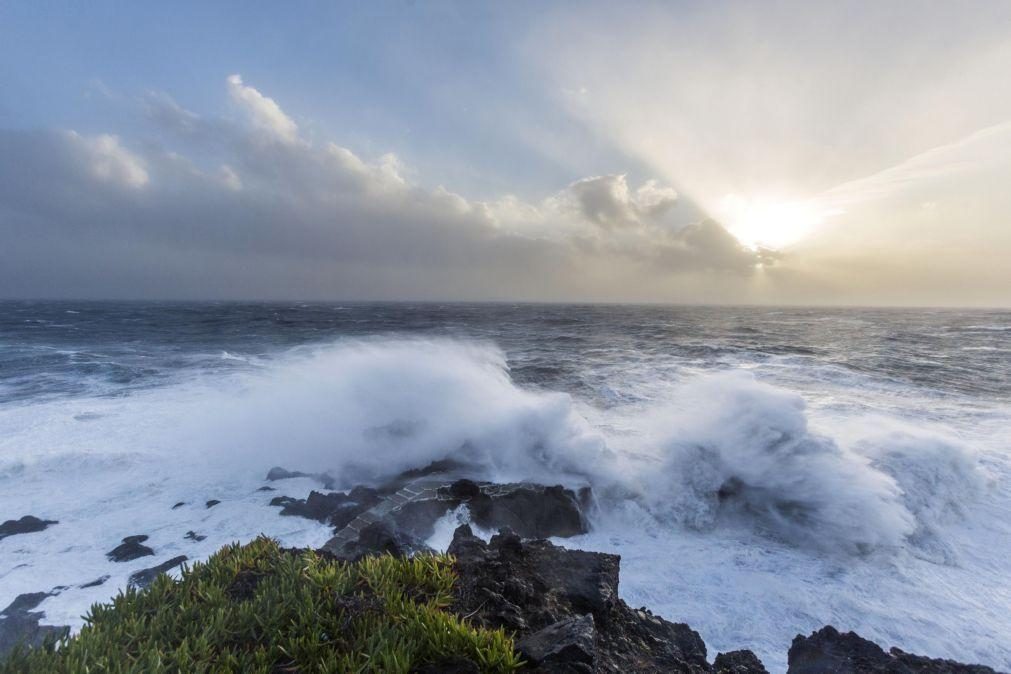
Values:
[(738, 662), (564, 608), (531, 510), (829, 650)]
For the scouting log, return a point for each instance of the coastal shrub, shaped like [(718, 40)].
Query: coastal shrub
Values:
[(260, 608)]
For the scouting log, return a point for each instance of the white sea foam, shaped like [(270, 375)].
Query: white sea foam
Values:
[(736, 506)]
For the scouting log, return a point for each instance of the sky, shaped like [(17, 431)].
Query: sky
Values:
[(746, 152)]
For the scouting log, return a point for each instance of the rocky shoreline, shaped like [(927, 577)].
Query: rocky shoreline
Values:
[(561, 605)]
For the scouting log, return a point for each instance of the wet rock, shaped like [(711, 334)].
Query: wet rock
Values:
[(19, 624), (145, 577), (527, 586), (213, 502), (464, 490), (194, 536), (265, 488), (95, 583), (443, 467), (278, 473), (336, 509), (568, 642), (131, 548), (26, 525), (380, 538), (829, 650), (738, 662), (531, 510), (418, 518), (180, 504)]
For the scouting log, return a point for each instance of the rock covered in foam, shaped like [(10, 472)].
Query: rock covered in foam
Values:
[(278, 473), (24, 525), (131, 548)]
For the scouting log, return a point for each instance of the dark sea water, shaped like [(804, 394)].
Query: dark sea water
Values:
[(873, 445)]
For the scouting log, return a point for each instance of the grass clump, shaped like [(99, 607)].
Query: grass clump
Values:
[(258, 608)]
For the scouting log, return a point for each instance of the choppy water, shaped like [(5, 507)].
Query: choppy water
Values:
[(866, 452)]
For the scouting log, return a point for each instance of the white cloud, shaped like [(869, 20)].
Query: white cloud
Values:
[(265, 113), (109, 161)]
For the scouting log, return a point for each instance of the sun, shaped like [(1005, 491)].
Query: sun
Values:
[(769, 223)]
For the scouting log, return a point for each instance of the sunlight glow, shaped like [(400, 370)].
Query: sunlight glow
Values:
[(769, 223)]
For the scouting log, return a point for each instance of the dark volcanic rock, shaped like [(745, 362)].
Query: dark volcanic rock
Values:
[(130, 549), (278, 473), (180, 504), (194, 536), (145, 577), (526, 587), (567, 644), (829, 650), (738, 662), (379, 538), (19, 624), (26, 525), (213, 502), (335, 509), (532, 511)]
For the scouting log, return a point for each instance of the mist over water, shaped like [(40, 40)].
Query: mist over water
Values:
[(761, 471)]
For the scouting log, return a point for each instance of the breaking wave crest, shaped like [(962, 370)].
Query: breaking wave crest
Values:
[(725, 447), (739, 448)]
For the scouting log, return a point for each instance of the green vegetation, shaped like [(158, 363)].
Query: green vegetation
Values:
[(258, 608)]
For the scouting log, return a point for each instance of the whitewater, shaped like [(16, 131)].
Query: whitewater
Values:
[(761, 472)]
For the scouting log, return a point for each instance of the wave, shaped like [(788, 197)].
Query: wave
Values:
[(720, 449), (739, 448)]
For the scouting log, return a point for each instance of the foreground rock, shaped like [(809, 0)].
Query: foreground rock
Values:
[(19, 624), (25, 525), (564, 609), (828, 650)]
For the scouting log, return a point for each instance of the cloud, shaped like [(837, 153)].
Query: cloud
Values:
[(235, 216), (108, 160), (265, 113), (607, 200)]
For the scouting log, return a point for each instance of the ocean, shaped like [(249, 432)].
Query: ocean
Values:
[(761, 471)]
